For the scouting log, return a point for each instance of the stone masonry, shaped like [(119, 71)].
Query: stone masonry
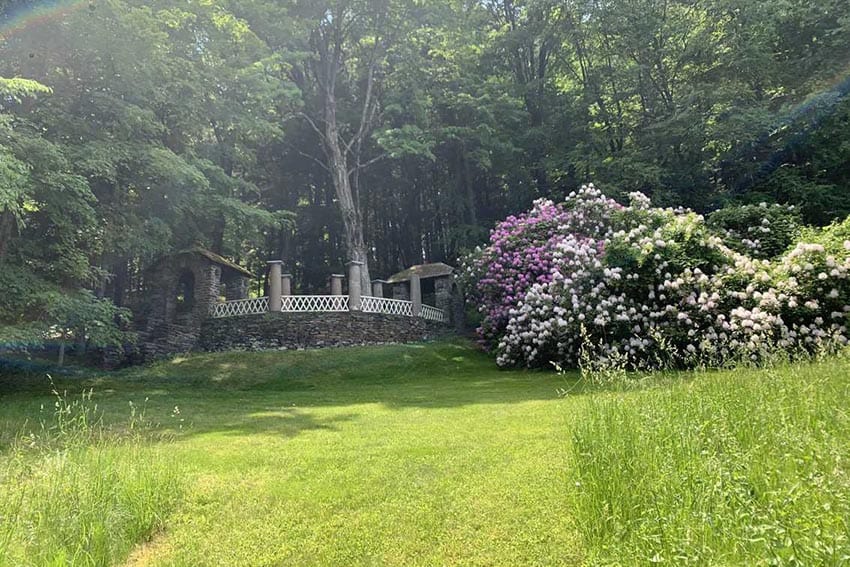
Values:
[(275, 331)]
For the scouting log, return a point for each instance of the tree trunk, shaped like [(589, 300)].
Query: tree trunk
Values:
[(218, 234), (120, 281), (6, 224), (352, 217), (344, 159)]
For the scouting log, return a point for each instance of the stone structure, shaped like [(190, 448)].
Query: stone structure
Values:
[(275, 285), (275, 331), (184, 309), (336, 284), (355, 291), (181, 288), (437, 285), (378, 288)]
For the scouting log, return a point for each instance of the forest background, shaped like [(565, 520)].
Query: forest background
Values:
[(388, 131)]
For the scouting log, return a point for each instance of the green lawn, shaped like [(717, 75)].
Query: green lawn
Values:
[(429, 455)]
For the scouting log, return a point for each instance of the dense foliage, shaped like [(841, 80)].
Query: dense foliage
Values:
[(649, 287), (762, 231), (395, 131)]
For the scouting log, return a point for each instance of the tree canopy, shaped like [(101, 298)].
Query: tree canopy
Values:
[(390, 131)]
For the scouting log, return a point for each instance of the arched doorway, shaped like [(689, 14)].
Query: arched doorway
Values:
[(185, 293)]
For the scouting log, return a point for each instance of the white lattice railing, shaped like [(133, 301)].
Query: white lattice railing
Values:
[(314, 303), (433, 314), (369, 304), (240, 307), (324, 304)]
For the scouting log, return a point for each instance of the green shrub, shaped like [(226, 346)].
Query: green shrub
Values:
[(760, 231)]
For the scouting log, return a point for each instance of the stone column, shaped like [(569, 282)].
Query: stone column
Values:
[(286, 284), (378, 288), (416, 294), (336, 284), (275, 267), (443, 295), (207, 292), (354, 286)]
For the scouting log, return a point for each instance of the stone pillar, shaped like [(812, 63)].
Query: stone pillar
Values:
[(275, 267), (378, 288), (336, 284), (207, 293), (355, 291), (443, 294), (286, 284), (416, 294)]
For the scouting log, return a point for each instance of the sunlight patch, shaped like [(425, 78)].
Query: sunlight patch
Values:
[(277, 413)]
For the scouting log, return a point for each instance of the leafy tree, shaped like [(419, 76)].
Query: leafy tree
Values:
[(396, 132)]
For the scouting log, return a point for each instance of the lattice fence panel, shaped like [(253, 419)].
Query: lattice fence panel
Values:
[(433, 314), (386, 306), (240, 307), (323, 304), (314, 303)]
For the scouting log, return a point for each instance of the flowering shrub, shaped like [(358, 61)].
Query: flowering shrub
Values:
[(521, 252), (651, 287)]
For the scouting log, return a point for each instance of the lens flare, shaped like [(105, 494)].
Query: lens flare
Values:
[(24, 15)]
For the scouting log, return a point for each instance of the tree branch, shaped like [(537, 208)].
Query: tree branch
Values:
[(312, 125), (313, 158), (368, 112), (360, 166)]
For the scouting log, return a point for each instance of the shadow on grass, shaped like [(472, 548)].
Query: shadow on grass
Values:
[(273, 392), (285, 423), (433, 375)]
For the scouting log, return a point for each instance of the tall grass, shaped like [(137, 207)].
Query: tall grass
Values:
[(76, 492), (742, 467)]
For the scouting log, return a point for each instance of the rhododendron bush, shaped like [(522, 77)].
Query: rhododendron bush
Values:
[(650, 287)]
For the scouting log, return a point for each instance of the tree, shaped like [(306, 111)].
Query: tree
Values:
[(396, 131), (13, 172), (349, 41)]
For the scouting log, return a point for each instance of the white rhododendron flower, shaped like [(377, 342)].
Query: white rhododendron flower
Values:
[(647, 285)]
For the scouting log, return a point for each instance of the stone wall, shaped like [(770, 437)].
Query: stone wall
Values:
[(401, 291), (165, 326), (274, 331)]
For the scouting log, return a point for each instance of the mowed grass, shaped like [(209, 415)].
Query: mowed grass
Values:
[(400, 455), (429, 455)]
